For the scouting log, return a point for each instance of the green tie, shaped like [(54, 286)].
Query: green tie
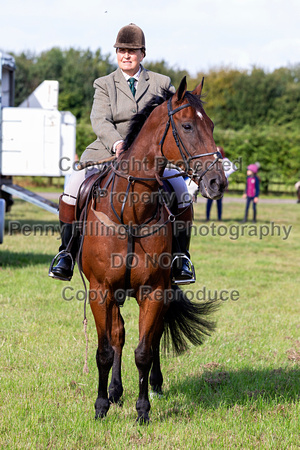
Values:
[(131, 85)]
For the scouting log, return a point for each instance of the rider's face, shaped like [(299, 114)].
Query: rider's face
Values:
[(129, 60)]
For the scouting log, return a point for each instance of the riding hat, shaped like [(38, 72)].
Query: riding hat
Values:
[(131, 36), (253, 168)]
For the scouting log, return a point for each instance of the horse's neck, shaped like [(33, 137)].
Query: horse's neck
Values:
[(144, 158), (140, 177), (144, 164)]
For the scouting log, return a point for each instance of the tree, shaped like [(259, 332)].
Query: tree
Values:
[(256, 114), (163, 68)]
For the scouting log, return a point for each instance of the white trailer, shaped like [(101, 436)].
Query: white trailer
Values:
[(35, 138)]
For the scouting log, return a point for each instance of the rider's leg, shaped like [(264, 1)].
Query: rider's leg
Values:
[(64, 267), (182, 267), (63, 270)]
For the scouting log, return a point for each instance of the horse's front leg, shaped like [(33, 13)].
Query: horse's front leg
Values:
[(150, 315), (105, 352), (156, 376), (117, 341)]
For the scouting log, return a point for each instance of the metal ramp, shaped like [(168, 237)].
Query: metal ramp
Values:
[(30, 197)]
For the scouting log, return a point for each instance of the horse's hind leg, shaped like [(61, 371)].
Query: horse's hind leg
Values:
[(105, 352), (156, 377), (117, 341)]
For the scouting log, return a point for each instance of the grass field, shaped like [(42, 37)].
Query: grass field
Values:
[(241, 389)]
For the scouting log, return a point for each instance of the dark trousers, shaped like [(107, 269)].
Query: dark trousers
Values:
[(248, 201), (219, 208)]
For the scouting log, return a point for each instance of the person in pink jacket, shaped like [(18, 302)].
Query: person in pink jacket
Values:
[(252, 190)]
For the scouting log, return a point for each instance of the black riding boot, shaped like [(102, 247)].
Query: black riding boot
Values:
[(64, 261), (182, 268), (66, 258)]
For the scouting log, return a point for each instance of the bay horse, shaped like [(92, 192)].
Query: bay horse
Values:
[(127, 216)]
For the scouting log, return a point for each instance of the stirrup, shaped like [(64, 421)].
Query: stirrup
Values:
[(187, 280), (56, 259)]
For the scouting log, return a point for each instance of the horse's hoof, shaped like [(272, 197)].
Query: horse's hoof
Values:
[(101, 408), (119, 402), (115, 396), (100, 415), (143, 419)]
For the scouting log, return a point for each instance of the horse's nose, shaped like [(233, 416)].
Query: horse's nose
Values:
[(216, 184)]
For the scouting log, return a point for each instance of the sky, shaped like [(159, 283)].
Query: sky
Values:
[(192, 35)]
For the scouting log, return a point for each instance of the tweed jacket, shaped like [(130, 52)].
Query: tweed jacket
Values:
[(114, 106)]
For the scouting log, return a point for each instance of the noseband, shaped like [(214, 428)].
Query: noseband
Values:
[(185, 154)]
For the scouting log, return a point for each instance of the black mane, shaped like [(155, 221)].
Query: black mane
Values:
[(194, 100), (140, 118)]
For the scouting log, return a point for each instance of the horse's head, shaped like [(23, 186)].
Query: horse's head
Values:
[(188, 141)]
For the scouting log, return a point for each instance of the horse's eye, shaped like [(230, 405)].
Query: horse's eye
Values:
[(187, 126)]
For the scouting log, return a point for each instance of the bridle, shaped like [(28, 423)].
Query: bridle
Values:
[(185, 154)]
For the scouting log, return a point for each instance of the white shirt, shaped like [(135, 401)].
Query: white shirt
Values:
[(136, 76)]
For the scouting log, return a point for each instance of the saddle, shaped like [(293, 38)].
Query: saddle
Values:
[(87, 191), (91, 187)]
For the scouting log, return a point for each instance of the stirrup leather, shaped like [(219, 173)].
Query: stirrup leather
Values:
[(187, 280)]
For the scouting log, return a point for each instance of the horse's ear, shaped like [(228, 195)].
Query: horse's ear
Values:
[(198, 89), (182, 89)]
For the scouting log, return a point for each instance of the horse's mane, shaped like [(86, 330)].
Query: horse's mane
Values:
[(140, 118), (194, 100)]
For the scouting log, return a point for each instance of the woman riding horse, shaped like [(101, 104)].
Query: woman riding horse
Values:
[(174, 128), (118, 97)]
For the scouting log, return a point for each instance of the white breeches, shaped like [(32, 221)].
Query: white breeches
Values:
[(184, 190)]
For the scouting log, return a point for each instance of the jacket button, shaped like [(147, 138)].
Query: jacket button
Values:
[(134, 110)]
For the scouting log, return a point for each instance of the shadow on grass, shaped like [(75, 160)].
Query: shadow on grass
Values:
[(214, 388), (22, 259)]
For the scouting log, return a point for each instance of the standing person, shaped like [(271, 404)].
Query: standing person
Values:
[(229, 168), (118, 97), (252, 190), (219, 208), (297, 187)]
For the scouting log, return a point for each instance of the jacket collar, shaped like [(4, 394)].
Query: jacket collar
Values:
[(143, 84)]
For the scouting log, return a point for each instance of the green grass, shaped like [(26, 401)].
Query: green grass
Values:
[(241, 389)]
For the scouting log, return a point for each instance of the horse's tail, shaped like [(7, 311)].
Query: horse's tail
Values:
[(185, 321)]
